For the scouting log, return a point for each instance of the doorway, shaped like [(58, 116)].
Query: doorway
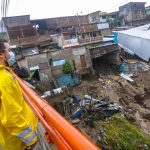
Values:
[(83, 61)]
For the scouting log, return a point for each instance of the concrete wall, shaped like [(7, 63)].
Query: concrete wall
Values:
[(58, 38), (35, 60), (94, 17), (58, 55), (106, 32), (103, 26), (102, 50), (71, 55), (131, 12), (23, 63), (77, 52), (102, 20), (40, 60)]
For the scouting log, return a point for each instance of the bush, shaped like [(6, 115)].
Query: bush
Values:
[(67, 68), (122, 135)]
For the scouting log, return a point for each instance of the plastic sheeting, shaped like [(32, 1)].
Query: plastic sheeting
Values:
[(67, 80), (136, 40)]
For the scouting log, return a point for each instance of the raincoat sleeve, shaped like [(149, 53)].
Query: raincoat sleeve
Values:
[(12, 118)]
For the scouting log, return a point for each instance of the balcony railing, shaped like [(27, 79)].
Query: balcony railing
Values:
[(75, 42), (71, 43), (90, 40)]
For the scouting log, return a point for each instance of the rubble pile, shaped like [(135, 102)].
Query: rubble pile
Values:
[(76, 108)]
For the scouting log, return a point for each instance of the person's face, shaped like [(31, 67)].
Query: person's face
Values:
[(6, 51), (5, 56)]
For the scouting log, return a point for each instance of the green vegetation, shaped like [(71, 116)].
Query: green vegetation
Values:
[(114, 23), (67, 68), (122, 135), (148, 12), (40, 88)]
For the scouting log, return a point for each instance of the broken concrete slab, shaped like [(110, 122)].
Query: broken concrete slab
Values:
[(127, 77)]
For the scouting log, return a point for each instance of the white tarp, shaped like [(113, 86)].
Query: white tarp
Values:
[(136, 40)]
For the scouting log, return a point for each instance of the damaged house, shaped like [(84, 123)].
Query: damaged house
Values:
[(27, 43), (133, 14), (42, 49)]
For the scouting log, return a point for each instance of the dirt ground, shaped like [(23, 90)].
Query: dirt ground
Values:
[(134, 97)]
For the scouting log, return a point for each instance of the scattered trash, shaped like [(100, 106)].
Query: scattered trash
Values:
[(114, 107), (115, 78), (77, 99), (102, 132), (84, 102), (101, 104), (101, 80), (75, 121), (57, 91), (77, 113), (89, 108), (46, 94), (135, 67), (127, 77), (52, 93), (68, 106), (89, 97)]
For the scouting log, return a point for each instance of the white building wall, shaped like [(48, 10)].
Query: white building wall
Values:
[(103, 26)]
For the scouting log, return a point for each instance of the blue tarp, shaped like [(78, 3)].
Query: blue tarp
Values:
[(116, 37), (67, 80)]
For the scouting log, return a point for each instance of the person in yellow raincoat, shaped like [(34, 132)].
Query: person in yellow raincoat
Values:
[(18, 124)]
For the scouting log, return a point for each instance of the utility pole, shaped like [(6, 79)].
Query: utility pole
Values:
[(79, 22)]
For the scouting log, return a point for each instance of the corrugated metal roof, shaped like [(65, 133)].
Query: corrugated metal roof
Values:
[(136, 40), (141, 32)]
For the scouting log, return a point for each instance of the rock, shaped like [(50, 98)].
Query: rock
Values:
[(75, 121), (130, 117), (139, 99), (147, 103)]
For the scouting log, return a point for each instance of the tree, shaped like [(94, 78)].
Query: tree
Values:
[(114, 22)]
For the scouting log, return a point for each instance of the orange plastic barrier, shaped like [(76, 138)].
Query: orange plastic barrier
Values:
[(64, 134), (57, 139)]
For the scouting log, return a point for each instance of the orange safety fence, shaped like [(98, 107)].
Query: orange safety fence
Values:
[(62, 133)]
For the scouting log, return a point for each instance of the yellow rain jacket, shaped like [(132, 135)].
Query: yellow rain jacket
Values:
[(17, 122)]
